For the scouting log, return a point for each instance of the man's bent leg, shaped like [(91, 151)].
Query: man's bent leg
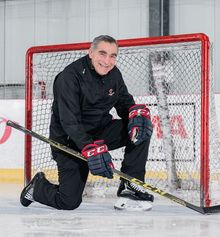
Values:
[(67, 195), (135, 159)]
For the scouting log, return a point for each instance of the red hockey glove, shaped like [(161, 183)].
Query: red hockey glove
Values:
[(99, 159), (139, 127)]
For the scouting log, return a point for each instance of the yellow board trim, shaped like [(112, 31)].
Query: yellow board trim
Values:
[(17, 176), (12, 176)]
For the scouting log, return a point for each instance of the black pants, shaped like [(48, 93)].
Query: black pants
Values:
[(73, 172)]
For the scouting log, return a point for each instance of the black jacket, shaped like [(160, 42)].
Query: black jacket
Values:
[(82, 101)]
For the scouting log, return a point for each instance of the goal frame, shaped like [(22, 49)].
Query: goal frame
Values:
[(205, 86)]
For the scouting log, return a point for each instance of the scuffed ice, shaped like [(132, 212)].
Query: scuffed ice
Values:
[(97, 217)]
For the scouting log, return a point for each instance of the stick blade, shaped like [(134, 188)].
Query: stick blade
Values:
[(212, 209)]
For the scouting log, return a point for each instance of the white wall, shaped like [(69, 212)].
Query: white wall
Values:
[(41, 22), (25, 23), (193, 16), (2, 42)]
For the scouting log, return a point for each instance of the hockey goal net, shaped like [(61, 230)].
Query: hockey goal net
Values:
[(172, 75)]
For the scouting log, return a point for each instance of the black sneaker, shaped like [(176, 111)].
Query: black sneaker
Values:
[(26, 197), (132, 191)]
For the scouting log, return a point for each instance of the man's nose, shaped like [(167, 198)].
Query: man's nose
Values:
[(107, 59)]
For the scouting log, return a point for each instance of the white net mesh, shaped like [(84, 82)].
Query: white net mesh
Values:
[(180, 106)]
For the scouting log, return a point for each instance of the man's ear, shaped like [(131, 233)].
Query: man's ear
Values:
[(90, 52)]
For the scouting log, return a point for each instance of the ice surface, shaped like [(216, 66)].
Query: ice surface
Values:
[(97, 217)]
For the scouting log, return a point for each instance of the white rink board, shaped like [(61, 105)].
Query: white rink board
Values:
[(11, 140), (12, 145)]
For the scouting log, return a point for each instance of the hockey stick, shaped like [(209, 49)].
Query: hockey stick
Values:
[(202, 210)]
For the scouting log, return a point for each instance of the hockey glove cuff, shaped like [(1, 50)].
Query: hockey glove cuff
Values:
[(99, 159)]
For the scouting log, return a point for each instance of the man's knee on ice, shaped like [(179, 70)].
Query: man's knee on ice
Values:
[(69, 204)]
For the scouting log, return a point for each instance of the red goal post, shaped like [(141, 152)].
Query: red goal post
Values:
[(185, 88)]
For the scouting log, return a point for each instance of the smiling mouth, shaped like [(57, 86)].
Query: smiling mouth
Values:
[(104, 66)]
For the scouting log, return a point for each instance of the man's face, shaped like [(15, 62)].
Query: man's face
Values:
[(103, 57)]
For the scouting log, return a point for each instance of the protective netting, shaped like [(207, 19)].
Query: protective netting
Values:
[(176, 109)]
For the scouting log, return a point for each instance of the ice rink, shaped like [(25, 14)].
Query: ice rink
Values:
[(97, 217)]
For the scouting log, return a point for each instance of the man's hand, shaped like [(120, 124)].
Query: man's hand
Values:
[(139, 127), (99, 159)]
